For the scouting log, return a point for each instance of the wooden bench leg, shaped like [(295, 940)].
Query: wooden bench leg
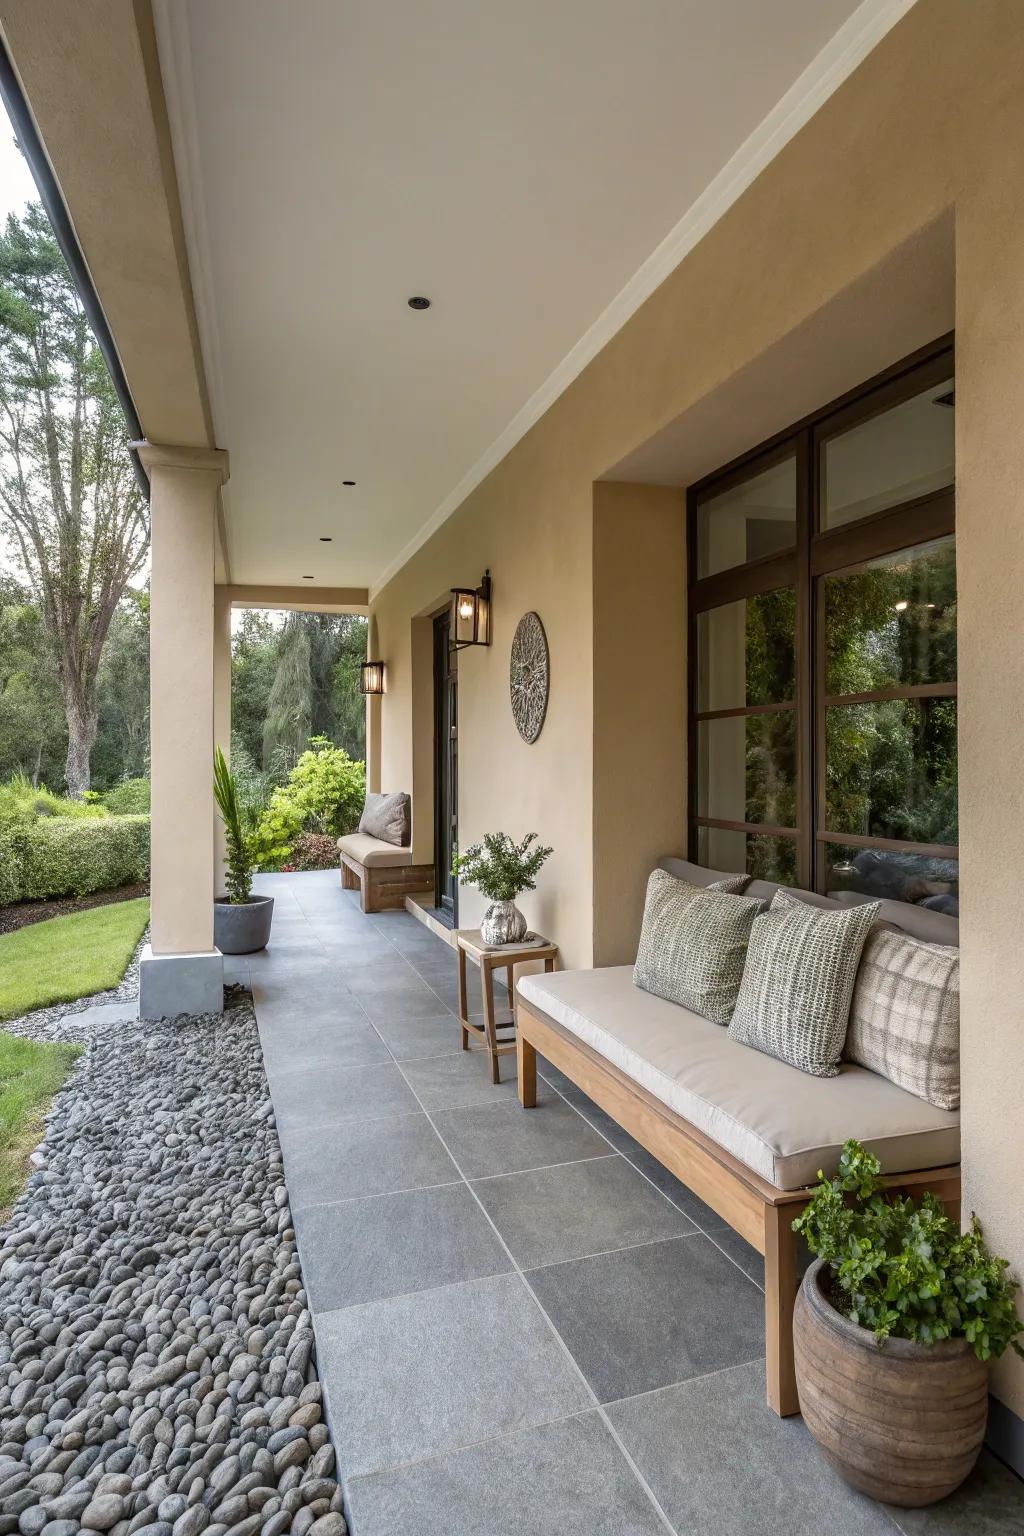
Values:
[(526, 1062), (779, 1299), (349, 880), (366, 890)]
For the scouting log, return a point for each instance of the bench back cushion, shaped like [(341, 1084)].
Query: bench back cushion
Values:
[(919, 922), (693, 944), (388, 818)]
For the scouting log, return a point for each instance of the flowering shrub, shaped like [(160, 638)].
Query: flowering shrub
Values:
[(324, 794), (314, 850)]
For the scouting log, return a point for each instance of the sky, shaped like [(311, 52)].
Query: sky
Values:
[(16, 185)]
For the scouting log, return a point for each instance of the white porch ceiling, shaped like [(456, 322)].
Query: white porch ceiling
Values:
[(535, 167)]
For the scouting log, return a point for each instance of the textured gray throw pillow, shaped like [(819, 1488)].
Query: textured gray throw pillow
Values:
[(735, 885), (794, 1001), (905, 1015), (692, 945), (387, 817)]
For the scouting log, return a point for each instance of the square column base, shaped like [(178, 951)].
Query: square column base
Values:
[(170, 985)]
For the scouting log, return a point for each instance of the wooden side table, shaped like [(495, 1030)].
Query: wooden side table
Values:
[(470, 942)]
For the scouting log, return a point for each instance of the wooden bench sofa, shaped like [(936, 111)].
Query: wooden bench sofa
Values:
[(745, 1132), (383, 874)]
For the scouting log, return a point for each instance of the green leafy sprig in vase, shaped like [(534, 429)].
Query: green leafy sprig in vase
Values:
[(502, 869)]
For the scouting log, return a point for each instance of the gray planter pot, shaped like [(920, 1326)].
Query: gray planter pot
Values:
[(242, 929)]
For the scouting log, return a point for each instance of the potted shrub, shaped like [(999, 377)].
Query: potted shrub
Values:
[(895, 1323), (501, 869), (241, 921)]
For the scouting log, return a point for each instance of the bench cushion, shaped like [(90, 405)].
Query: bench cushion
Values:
[(773, 1118), (372, 852)]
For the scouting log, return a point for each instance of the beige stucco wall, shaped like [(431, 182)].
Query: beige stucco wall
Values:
[(639, 733), (932, 122)]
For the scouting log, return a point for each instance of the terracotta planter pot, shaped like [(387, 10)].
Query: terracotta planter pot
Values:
[(242, 929), (902, 1422)]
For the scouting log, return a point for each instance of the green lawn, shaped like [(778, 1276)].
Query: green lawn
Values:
[(68, 957), (30, 1075)]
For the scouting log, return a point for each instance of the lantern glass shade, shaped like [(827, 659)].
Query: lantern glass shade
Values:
[(372, 677), (471, 614)]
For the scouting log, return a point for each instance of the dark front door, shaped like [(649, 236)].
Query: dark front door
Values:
[(446, 763)]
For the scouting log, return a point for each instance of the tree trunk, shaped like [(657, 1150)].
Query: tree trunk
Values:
[(82, 726)]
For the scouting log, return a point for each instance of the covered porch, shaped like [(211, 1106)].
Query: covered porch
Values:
[(516, 1312), (532, 337)]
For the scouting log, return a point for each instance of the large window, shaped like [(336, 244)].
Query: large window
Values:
[(823, 648)]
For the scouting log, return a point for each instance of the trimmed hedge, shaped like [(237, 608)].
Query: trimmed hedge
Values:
[(63, 856)]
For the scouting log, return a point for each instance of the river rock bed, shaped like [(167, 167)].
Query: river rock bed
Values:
[(156, 1349)]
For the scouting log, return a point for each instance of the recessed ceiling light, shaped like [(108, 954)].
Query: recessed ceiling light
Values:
[(348, 482), (419, 302), (325, 538)]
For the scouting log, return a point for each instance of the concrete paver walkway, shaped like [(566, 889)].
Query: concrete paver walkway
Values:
[(523, 1322)]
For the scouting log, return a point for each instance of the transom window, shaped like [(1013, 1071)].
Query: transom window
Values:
[(822, 675)]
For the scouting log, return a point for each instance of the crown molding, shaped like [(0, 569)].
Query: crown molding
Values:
[(845, 50)]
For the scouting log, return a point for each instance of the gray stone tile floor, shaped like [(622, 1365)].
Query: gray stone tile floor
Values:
[(524, 1323)]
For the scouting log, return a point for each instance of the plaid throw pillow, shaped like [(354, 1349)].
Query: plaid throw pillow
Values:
[(692, 945), (905, 1015), (794, 1002)]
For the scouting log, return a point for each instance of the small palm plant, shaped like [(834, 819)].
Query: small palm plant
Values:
[(239, 860)]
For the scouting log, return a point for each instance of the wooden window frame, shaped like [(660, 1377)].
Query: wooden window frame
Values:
[(817, 553)]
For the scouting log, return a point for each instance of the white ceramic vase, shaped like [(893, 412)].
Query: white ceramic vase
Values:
[(503, 923)]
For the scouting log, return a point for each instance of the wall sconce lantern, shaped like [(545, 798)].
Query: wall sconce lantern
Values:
[(371, 677), (471, 614)]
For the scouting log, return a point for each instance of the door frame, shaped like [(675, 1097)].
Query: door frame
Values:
[(446, 781)]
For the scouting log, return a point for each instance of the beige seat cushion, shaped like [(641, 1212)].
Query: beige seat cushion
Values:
[(372, 852), (777, 1120)]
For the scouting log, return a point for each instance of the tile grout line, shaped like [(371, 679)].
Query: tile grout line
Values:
[(702, 1230), (554, 1332)]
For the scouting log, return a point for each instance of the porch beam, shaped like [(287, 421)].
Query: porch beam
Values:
[(300, 599)]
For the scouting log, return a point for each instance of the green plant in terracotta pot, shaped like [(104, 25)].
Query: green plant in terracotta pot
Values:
[(501, 869), (895, 1324)]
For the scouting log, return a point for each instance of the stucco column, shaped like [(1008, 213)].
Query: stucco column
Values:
[(221, 714), (181, 971)]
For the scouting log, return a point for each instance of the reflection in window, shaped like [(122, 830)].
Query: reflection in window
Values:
[(892, 622), (748, 521), (891, 770), (746, 652), (747, 768), (894, 457), (895, 875), (765, 858)]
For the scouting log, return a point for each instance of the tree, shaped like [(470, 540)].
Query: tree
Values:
[(315, 691), (69, 501), (122, 739), (32, 732), (289, 721), (254, 648)]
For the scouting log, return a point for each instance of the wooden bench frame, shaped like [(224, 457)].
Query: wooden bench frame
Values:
[(759, 1212), (384, 887)]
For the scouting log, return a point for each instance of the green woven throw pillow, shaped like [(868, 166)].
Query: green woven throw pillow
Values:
[(692, 945), (794, 1002)]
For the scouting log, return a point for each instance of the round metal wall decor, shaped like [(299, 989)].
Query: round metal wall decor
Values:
[(529, 676)]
